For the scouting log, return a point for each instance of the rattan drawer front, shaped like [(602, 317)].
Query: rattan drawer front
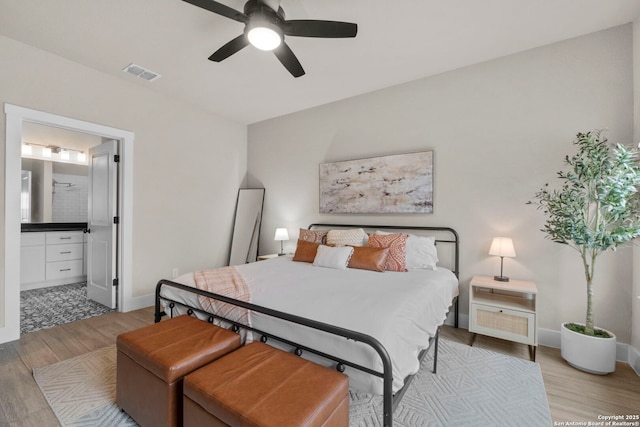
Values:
[(501, 323)]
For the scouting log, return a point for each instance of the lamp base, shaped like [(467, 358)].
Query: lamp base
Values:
[(281, 254), (501, 278)]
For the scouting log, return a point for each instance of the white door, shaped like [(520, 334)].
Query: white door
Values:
[(102, 244)]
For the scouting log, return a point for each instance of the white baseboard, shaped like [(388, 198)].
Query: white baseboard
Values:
[(549, 338), (8, 334), (136, 303), (463, 320), (50, 283), (634, 359)]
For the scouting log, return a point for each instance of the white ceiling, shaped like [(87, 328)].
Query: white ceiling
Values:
[(398, 41)]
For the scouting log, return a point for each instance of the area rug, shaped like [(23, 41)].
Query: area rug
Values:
[(473, 387), (56, 305)]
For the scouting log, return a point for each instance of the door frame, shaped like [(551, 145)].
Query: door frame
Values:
[(15, 116)]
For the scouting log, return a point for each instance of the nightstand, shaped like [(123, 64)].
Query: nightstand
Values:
[(505, 310), (264, 257)]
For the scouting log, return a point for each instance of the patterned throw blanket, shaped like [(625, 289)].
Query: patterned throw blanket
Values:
[(228, 282)]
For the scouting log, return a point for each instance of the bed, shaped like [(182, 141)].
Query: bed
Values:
[(374, 326)]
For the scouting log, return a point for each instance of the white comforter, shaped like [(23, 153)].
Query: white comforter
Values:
[(401, 310)]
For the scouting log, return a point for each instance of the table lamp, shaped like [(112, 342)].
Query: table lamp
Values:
[(281, 234), (502, 247)]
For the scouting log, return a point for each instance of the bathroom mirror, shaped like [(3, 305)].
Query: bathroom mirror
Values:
[(25, 197), (57, 161), (246, 227), (53, 192)]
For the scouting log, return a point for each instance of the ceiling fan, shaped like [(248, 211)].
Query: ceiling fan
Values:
[(266, 26)]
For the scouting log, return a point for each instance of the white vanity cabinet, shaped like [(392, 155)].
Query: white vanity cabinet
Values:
[(32, 257), (51, 258)]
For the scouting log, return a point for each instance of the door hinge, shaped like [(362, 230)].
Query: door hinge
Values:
[(116, 158), (115, 282), (116, 220)]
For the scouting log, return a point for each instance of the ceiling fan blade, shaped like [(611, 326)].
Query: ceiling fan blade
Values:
[(230, 48), (289, 60), (314, 28), (220, 9)]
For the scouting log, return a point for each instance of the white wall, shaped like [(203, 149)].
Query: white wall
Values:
[(499, 131), (188, 165)]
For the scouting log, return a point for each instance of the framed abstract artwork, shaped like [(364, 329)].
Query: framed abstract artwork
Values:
[(401, 183)]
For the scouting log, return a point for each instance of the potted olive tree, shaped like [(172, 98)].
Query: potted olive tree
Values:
[(595, 209)]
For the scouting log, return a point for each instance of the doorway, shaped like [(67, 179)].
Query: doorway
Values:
[(66, 272), (15, 117)]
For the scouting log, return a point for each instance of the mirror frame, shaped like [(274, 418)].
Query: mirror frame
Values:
[(246, 226)]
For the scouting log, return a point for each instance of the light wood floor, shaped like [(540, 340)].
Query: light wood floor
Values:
[(572, 395)]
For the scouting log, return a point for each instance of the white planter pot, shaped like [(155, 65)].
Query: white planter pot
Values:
[(590, 354)]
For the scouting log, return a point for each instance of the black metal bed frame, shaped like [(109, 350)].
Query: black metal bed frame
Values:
[(390, 401)]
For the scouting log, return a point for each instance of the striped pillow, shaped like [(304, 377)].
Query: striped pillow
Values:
[(354, 237)]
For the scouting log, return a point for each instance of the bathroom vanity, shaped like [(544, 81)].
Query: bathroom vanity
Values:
[(52, 254)]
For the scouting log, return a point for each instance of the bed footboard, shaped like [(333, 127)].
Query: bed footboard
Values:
[(389, 400)]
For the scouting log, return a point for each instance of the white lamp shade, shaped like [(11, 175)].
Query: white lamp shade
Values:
[(502, 246), (281, 234)]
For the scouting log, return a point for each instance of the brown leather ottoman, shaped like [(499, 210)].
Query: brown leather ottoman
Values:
[(152, 361), (259, 385)]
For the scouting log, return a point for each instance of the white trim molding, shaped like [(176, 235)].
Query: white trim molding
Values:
[(10, 329), (15, 115), (634, 359), (143, 301)]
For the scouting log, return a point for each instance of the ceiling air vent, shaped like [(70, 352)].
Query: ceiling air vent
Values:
[(141, 72)]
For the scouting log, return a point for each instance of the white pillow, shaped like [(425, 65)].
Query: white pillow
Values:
[(420, 252), (353, 237), (333, 257)]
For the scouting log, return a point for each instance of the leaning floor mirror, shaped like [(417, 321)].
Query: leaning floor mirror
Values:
[(246, 227)]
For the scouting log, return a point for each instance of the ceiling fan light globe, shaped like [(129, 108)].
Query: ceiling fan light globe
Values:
[(264, 38)]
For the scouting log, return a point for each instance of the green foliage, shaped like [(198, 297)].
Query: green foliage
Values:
[(575, 327), (597, 207)]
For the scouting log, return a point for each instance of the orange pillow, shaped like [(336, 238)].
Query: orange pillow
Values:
[(305, 251), (397, 243), (368, 258)]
